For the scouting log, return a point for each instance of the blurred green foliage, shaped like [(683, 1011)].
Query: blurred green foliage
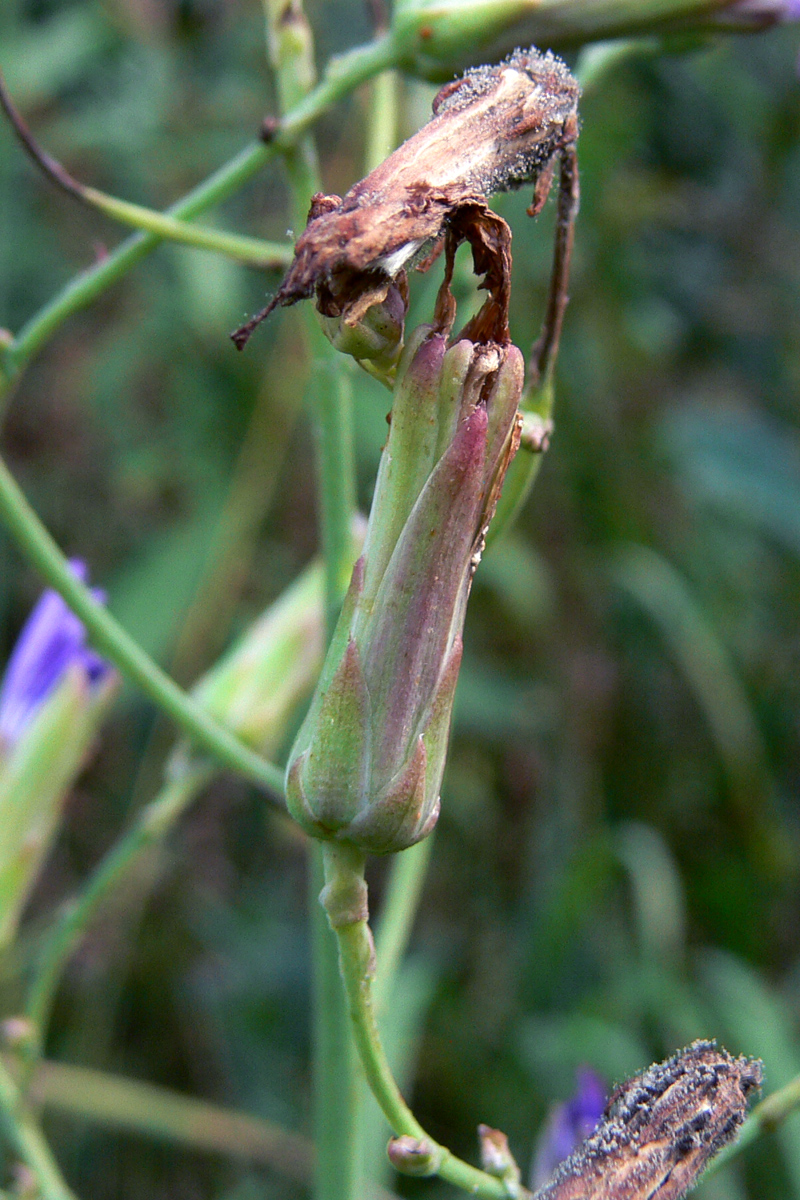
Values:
[(617, 866)]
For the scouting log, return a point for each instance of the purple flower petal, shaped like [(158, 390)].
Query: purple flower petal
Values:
[(52, 640), (568, 1125), (760, 12)]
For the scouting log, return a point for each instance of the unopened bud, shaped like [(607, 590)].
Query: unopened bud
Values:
[(368, 762)]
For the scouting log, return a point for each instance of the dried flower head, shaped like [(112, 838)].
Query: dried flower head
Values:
[(496, 128), (661, 1129)]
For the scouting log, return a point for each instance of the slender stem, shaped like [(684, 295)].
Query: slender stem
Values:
[(765, 1116), (335, 1067), (393, 930), (343, 73), (120, 648), (29, 1142), (344, 899), (335, 1078), (107, 1099), (151, 827), (382, 131), (90, 284), (252, 252)]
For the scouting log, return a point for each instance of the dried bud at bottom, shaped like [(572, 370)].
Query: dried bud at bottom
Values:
[(661, 1129)]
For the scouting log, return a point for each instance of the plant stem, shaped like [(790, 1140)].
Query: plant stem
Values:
[(335, 1064), (344, 894), (29, 1142), (152, 825), (343, 73), (90, 284), (252, 252), (120, 648), (382, 130), (335, 1079)]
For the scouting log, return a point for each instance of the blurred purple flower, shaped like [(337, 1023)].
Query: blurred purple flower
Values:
[(52, 640), (568, 1125), (759, 13)]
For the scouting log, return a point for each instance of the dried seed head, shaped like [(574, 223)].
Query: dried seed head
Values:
[(495, 128), (661, 1129)]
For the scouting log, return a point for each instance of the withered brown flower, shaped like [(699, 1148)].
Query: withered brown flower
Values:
[(661, 1129), (493, 129)]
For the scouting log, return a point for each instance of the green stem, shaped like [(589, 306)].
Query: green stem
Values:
[(335, 1073), (343, 73), (28, 1141), (151, 827), (90, 284), (765, 1116), (382, 131), (107, 1099), (335, 1078), (253, 252), (120, 648), (344, 899)]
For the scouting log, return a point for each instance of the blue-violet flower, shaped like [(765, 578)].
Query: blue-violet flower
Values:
[(568, 1125), (52, 640)]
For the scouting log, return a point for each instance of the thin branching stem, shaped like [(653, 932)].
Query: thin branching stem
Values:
[(28, 1140), (344, 73), (123, 651)]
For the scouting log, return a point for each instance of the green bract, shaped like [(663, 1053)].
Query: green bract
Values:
[(367, 764), (36, 774)]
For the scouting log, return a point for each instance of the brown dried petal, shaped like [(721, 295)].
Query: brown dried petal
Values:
[(661, 1130)]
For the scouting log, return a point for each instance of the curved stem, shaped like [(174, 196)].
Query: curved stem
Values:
[(29, 1142), (344, 900), (120, 648), (343, 73), (250, 251), (83, 288)]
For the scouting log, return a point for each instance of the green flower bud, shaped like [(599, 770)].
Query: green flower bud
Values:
[(255, 688), (53, 697), (368, 762), (373, 334)]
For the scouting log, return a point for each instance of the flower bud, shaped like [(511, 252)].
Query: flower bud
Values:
[(54, 695), (368, 762), (373, 334), (255, 688)]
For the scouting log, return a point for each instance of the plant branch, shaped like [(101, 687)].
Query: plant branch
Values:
[(252, 252), (152, 825), (28, 1140), (343, 73), (413, 1151), (120, 648)]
